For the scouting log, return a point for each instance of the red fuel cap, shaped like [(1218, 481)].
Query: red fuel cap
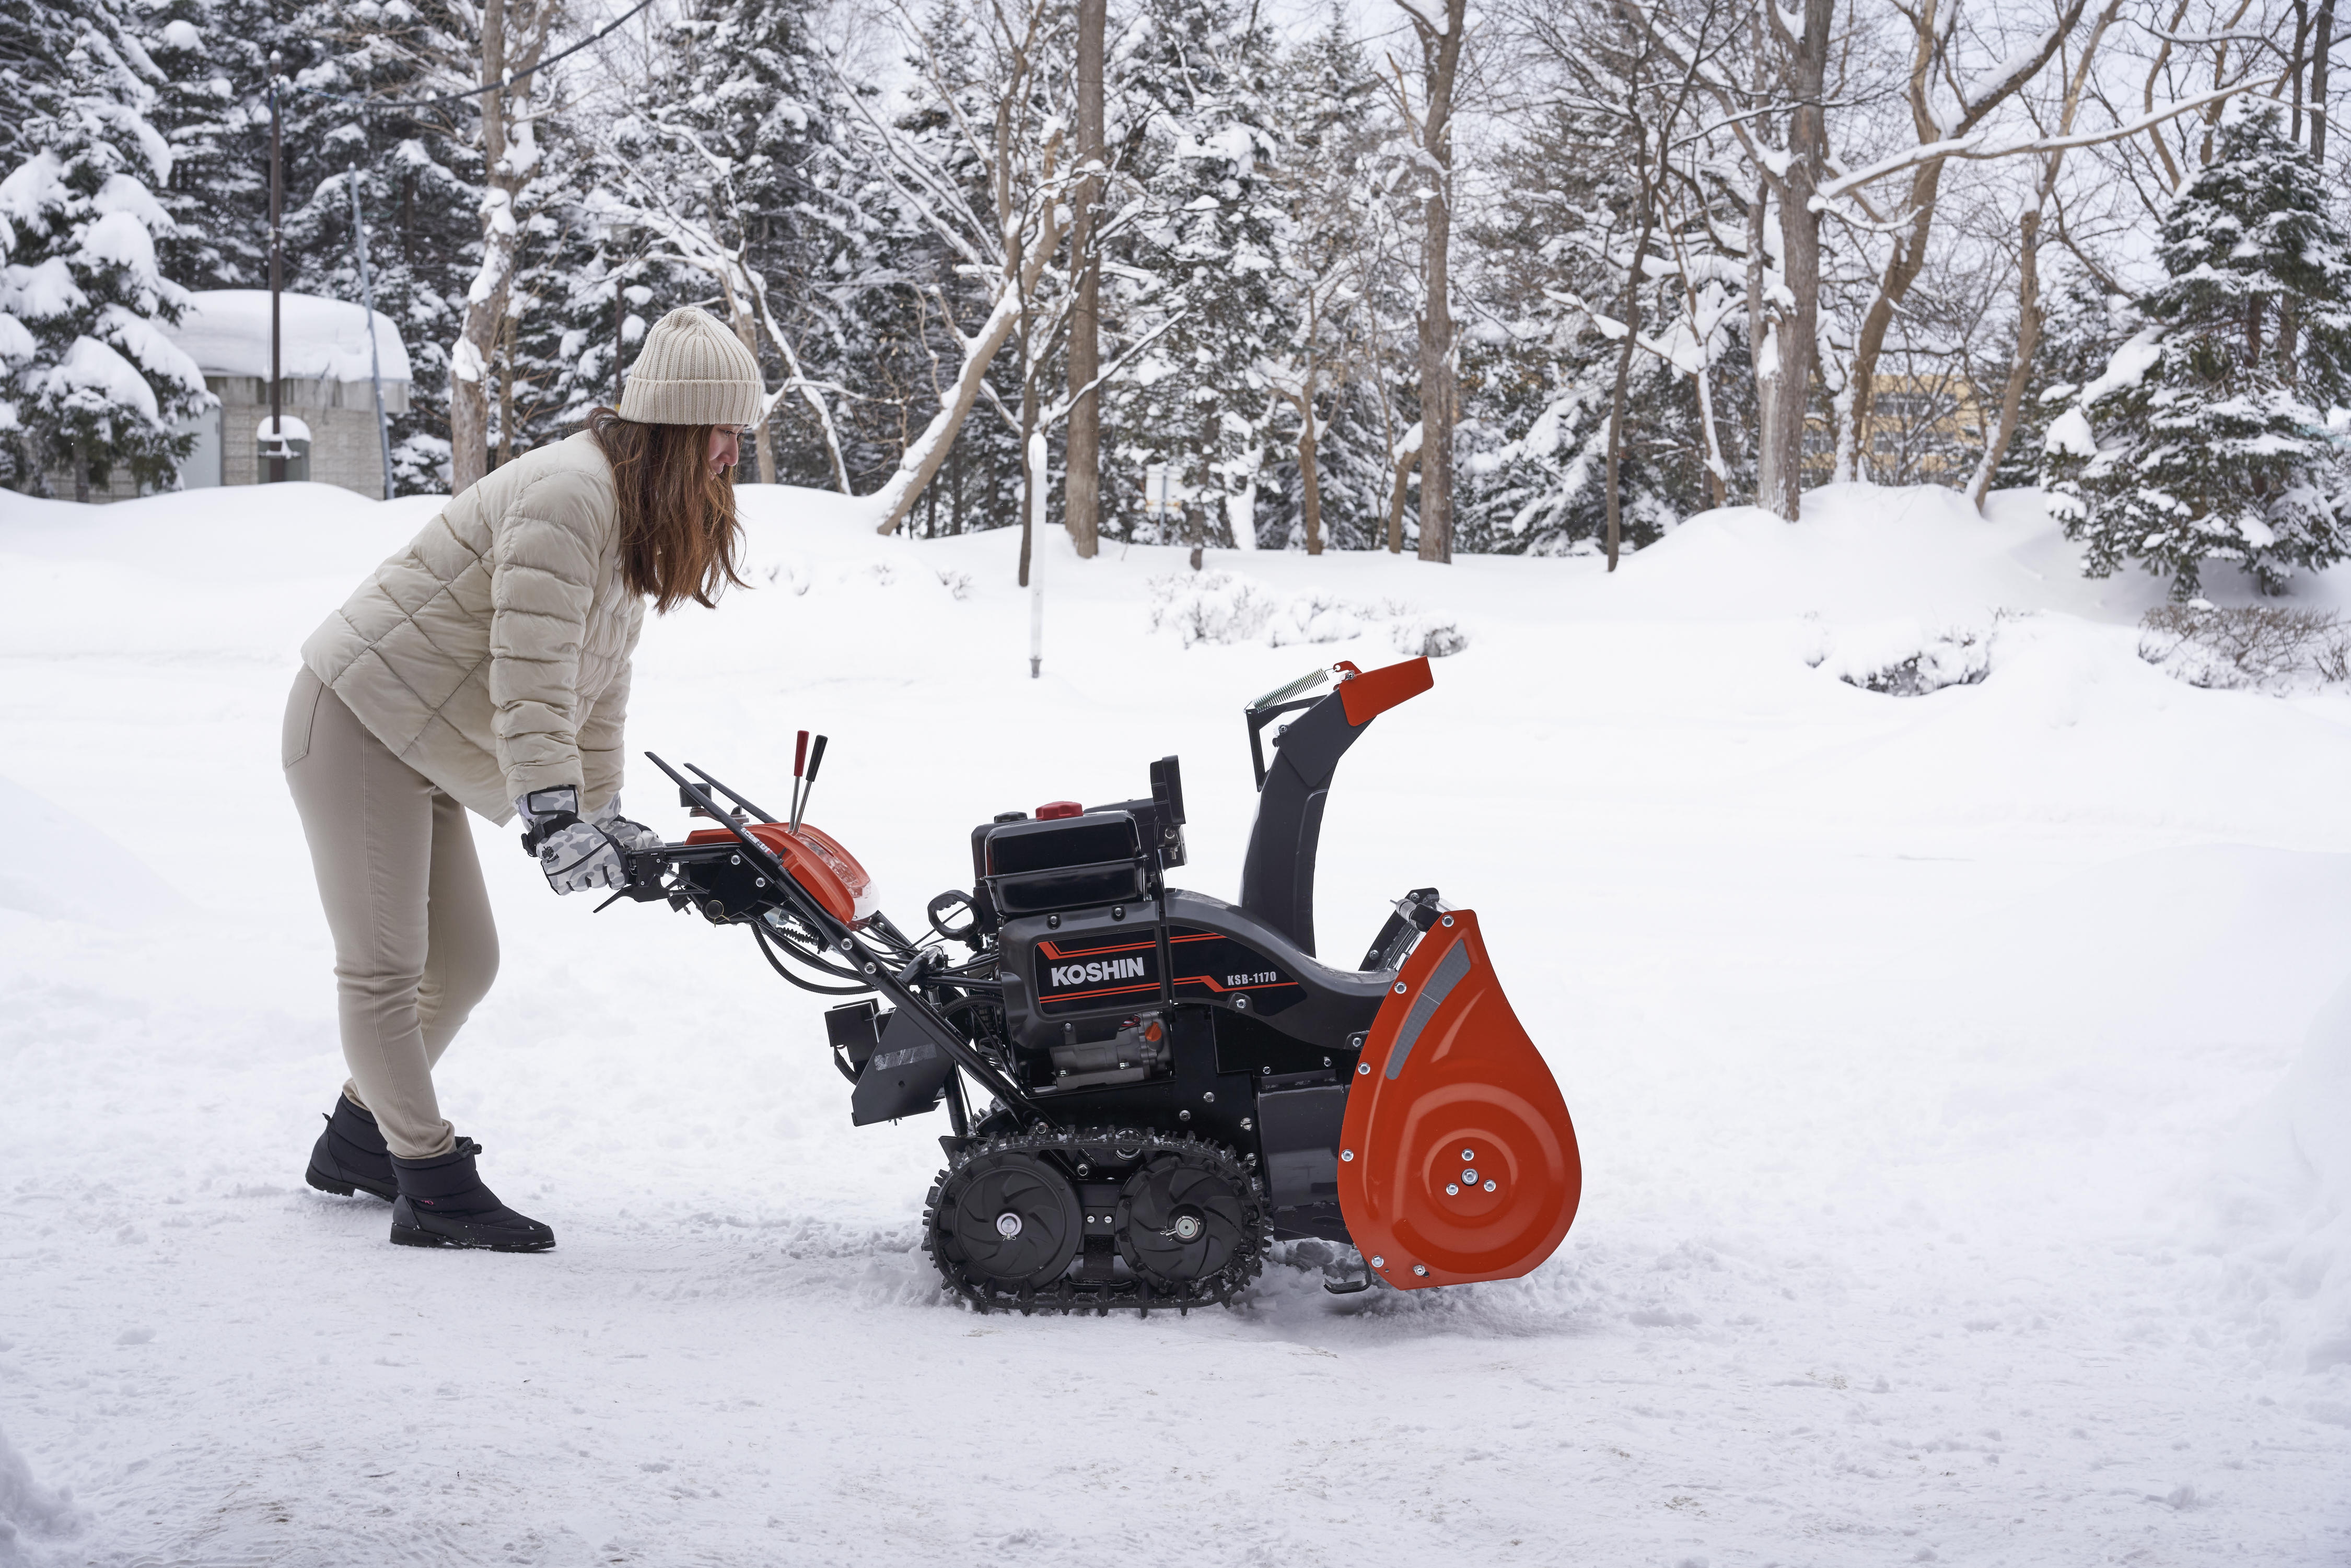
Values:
[(1052, 808)]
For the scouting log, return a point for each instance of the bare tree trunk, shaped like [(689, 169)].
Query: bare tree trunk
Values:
[(1081, 485), (1902, 269), (1631, 309), (922, 460), (1404, 467), (2318, 59), (2019, 368), (1759, 341), (1718, 488), (1440, 64), (469, 407), (1929, 66), (1309, 484), (2295, 62), (2290, 321), (2028, 272), (1616, 441), (1791, 343), (505, 389), (762, 441), (620, 329), (486, 299)]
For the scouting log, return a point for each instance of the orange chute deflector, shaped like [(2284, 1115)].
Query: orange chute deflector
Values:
[(1367, 694), (1455, 1088)]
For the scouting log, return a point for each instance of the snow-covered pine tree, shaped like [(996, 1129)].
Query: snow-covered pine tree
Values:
[(220, 117), (1188, 101), (713, 163), (978, 159), (2206, 439), (197, 113), (348, 69), (870, 307), (1327, 473), (2080, 324), (1541, 291), (92, 382), (553, 358)]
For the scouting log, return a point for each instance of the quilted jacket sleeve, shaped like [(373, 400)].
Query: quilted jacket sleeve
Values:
[(545, 554), (602, 752)]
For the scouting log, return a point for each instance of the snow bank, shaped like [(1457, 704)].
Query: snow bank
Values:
[(28, 1510), (2314, 1104), (60, 867), (1906, 1040), (1904, 658), (2275, 1212), (227, 331), (1226, 607)]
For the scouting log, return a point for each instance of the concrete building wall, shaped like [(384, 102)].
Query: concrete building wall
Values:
[(344, 447)]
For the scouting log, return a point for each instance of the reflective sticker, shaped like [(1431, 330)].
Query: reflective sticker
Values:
[(1449, 972)]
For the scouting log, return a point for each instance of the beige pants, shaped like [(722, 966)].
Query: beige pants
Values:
[(415, 945)]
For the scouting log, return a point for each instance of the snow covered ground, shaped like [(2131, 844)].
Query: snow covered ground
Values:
[(1964, 1083)]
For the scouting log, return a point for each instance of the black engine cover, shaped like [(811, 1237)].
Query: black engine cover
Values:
[(1075, 975)]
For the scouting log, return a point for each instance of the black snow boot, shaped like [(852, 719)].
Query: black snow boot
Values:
[(349, 1156), (442, 1202)]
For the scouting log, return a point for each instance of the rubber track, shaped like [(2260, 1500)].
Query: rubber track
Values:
[(1102, 1148)]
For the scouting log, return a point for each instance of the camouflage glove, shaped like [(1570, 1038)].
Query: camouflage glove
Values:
[(632, 837), (575, 855)]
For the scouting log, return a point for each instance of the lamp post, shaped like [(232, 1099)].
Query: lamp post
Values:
[(277, 447)]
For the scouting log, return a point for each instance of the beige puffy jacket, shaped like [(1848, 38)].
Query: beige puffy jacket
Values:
[(492, 655)]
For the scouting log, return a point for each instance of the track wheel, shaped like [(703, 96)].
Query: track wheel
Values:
[(1179, 1222), (1006, 1220)]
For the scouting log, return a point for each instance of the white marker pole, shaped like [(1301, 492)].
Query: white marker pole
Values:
[(1037, 555)]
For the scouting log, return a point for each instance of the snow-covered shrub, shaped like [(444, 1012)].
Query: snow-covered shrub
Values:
[(1427, 637), (1227, 606), (2262, 647), (1316, 616), (1211, 606), (2207, 438), (1904, 659)]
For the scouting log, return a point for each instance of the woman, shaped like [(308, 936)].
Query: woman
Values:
[(486, 667)]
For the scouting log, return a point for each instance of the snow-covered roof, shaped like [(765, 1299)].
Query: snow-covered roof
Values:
[(226, 332)]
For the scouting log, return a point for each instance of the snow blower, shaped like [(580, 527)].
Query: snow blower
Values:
[(1171, 1083)]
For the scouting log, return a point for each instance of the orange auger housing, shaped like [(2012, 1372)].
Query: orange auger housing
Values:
[(1456, 1159), (1149, 1088)]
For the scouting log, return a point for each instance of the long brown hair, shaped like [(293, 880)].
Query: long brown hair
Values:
[(678, 530)]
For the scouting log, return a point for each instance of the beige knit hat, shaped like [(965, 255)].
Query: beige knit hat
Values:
[(693, 370)]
